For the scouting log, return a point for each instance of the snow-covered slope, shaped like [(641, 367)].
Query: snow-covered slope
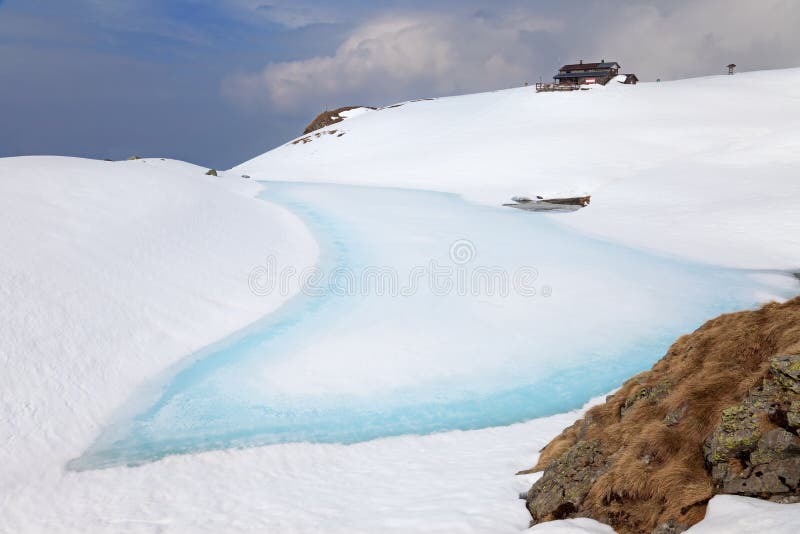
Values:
[(112, 272), (729, 514), (709, 165)]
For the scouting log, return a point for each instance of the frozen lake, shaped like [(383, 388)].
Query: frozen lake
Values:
[(426, 314)]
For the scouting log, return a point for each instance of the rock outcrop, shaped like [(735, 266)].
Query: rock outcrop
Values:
[(328, 117), (719, 413), (566, 482), (755, 450)]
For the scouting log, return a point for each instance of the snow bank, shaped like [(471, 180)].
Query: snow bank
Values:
[(726, 514), (580, 525), (730, 514), (447, 483), (355, 112), (702, 168), (112, 272)]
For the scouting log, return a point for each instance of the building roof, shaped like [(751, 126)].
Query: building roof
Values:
[(585, 66), (591, 74)]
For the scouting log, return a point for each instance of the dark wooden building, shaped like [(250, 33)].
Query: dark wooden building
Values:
[(578, 75), (587, 73), (590, 73)]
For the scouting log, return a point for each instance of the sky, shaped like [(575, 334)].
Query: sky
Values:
[(218, 82)]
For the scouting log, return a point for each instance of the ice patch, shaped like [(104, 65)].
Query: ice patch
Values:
[(348, 362)]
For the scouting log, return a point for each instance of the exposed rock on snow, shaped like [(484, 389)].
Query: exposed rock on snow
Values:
[(567, 481), (326, 118), (310, 137), (650, 394), (669, 527), (717, 414), (755, 450)]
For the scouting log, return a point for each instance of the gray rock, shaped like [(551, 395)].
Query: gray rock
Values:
[(566, 481), (776, 444), (651, 394), (785, 499), (786, 371), (743, 460), (720, 473), (674, 417), (793, 415), (773, 479), (737, 435), (670, 527)]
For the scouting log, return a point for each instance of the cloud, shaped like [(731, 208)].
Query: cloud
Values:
[(430, 53), (701, 37), (397, 54), (68, 63), (292, 14)]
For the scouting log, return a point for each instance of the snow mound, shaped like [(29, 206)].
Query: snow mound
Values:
[(352, 113), (112, 272), (580, 525), (731, 514)]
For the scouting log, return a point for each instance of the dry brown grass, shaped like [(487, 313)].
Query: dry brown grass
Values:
[(658, 471)]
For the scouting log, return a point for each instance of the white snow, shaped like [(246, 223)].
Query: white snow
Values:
[(112, 272), (731, 514), (115, 271), (709, 165), (355, 112), (448, 483), (726, 514), (579, 525)]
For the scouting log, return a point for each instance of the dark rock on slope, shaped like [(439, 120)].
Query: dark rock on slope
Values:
[(326, 118), (755, 450), (719, 413), (567, 480)]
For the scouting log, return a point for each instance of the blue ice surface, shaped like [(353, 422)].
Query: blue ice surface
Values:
[(612, 312)]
